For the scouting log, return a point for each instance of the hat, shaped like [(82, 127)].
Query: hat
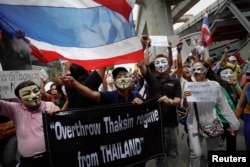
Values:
[(47, 86), (117, 70), (232, 58)]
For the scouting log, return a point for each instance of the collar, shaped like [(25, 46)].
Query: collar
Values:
[(40, 108), (163, 80)]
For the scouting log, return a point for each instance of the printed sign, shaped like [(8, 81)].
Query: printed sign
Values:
[(110, 136), (159, 40), (10, 79)]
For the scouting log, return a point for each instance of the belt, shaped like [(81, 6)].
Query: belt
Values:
[(35, 157)]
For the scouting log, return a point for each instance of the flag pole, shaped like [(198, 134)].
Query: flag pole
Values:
[(206, 36)]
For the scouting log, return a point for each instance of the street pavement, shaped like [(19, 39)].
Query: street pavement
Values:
[(184, 150)]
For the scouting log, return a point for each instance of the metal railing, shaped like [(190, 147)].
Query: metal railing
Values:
[(212, 8)]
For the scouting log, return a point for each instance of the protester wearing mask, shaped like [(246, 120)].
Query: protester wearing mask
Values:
[(122, 94), (27, 117), (232, 92), (227, 75), (168, 89), (206, 114)]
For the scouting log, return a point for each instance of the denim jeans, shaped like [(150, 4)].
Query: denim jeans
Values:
[(8, 150), (195, 143), (171, 146), (247, 131)]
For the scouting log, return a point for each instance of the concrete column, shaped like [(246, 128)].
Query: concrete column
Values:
[(159, 20)]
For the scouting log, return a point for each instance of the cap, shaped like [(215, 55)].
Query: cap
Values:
[(232, 58), (117, 70), (47, 86)]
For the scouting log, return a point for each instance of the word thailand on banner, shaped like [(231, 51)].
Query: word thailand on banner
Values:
[(111, 136), (91, 33), (10, 79), (201, 91)]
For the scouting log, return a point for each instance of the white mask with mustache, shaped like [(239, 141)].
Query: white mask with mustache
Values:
[(226, 75), (161, 64), (30, 96), (123, 80)]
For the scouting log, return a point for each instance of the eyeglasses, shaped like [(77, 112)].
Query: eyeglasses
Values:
[(198, 70)]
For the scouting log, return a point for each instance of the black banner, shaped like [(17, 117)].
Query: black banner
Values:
[(112, 136)]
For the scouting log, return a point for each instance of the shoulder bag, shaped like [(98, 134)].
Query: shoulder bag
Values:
[(208, 131)]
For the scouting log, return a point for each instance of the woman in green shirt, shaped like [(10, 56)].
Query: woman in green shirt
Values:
[(232, 91)]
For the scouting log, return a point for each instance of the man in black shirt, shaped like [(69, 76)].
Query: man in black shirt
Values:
[(169, 91)]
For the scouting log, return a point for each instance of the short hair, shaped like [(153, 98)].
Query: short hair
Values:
[(78, 72), (186, 65), (211, 59), (23, 85), (194, 51), (224, 68), (160, 55)]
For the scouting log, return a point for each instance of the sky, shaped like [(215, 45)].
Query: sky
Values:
[(200, 6), (197, 8)]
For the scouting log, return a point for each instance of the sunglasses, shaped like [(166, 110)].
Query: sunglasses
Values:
[(198, 70)]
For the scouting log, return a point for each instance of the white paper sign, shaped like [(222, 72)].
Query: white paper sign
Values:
[(174, 53), (159, 40), (174, 39), (185, 51), (44, 74), (10, 79), (201, 91)]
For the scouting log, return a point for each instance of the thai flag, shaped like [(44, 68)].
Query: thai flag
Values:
[(205, 31), (91, 33)]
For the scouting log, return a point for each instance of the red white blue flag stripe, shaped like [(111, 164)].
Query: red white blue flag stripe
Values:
[(205, 31), (92, 33)]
